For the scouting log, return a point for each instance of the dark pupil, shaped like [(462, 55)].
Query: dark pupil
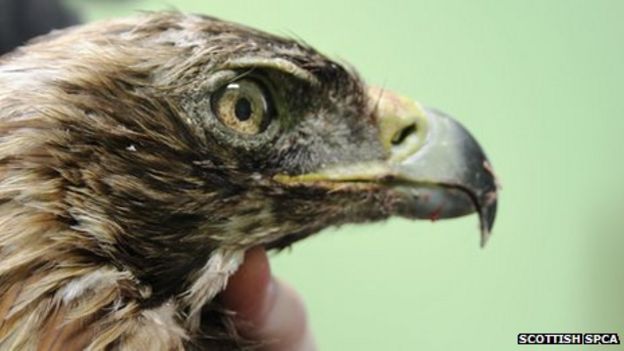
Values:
[(242, 109)]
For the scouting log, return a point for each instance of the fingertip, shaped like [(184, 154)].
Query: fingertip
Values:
[(247, 289), (267, 309), (285, 324)]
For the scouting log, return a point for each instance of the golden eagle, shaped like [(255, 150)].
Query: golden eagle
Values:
[(141, 157)]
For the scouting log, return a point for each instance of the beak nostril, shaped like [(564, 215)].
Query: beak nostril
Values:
[(402, 134)]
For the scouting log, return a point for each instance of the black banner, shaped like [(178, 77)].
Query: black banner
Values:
[(568, 339)]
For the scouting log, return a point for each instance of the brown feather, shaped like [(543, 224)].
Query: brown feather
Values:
[(125, 208)]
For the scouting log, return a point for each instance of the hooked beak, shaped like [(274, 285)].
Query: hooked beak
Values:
[(434, 163)]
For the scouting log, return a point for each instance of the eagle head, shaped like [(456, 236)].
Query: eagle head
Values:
[(146, 154)]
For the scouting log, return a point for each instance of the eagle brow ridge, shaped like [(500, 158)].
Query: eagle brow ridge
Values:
[(280, 64)]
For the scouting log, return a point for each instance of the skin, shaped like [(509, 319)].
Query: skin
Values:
[(267, 308)]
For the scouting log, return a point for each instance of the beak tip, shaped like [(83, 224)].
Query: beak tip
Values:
[(485, 236), (487, 216)]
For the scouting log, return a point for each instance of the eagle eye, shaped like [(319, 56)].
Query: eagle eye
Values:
[(243, 105)]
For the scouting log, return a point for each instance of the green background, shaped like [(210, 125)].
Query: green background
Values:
[(541, 85)]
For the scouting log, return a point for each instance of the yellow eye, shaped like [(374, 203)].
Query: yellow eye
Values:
[(244, 106)]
